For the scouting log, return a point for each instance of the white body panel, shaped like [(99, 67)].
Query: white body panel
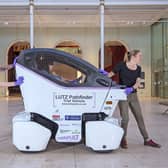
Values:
[(103, 135), (28, 135), (65, 106), (53, 98), (42, 95)]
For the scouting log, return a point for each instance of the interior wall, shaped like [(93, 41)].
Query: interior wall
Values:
[(88, 39)]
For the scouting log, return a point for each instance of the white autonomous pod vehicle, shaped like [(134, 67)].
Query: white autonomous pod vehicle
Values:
[(67, 108)]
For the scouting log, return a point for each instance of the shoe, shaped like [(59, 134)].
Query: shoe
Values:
[(124, 144), (151, 143)]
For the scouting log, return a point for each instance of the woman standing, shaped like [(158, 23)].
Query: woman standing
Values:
[(129, 75)]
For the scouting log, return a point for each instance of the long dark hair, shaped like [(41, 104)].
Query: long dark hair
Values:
[(132, 53)]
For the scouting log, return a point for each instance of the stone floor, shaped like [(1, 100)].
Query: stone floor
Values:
[(78, 156)]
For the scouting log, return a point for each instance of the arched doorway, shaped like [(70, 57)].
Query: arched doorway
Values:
[(73, 48), (13, 52), (69, 46), (114, 52)]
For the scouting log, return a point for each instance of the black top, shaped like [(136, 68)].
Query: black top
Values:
[(39, 59), (127, 76)]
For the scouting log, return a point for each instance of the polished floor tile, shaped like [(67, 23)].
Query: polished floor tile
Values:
[(78, 156)]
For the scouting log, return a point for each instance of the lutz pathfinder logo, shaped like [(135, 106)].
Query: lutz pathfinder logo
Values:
[(69, 99)]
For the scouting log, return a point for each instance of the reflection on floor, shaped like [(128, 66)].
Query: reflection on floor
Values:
[(78, 156)]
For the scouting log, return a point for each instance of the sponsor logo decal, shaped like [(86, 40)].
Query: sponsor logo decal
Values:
[(64, 125), (56, 117), (62, 131), (76, 132), (69, 138), (107, 108), (72, 117), (76, 124), (77, 99)]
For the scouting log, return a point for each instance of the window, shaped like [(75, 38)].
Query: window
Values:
[(62, 72)]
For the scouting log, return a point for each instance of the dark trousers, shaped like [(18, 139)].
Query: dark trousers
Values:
[(132, 102)]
